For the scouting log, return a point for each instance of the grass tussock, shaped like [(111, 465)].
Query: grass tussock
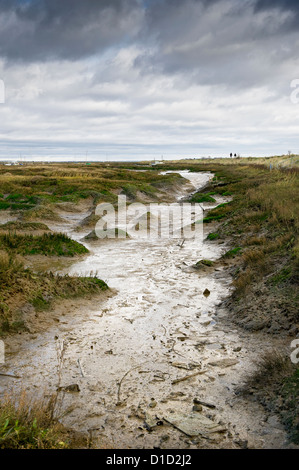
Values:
[(275, 383), (232, 253), (201, 197), (28, 424), (17, 226), (48, 244), (41, 213), (213, 236), (271, 368), (204, 262)]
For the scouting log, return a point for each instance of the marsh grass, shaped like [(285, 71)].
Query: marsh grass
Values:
[(219, 212), (271, 368), (204, 262), (35, 188), (263, 218), (23, 226), (213, 236), (48, 244), (275, 383), (20, 286), (201, 197), (41, 212), (29, 424)]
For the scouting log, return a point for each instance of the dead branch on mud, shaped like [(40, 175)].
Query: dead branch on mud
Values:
[(10, 375), (188, 377)]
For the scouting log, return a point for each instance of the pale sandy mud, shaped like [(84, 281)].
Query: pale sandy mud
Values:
[(139, 359)]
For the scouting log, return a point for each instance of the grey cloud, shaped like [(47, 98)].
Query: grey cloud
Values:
[(41, 30), (225, 41), (46, 29), (148, 88), (291, 6), (282, 4)]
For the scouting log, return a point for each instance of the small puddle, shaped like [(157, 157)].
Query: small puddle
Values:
[(143, 356)]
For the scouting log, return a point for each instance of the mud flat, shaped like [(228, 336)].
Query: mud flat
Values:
[(154, 365)]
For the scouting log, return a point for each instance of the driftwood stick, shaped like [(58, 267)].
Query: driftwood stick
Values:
[(120, 383), (10, 375), (79, 363), (181, 243), (188, 377)]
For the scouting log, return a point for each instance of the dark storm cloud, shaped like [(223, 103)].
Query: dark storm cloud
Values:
[(221, 41), (283, 5), (41, 30), (68, 29)]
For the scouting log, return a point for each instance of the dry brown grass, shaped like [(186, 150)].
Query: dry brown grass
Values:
[(28, 424), (272, 368), (255, 240), (243, 282)]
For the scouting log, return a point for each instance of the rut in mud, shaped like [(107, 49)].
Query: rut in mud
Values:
[(154, 365)]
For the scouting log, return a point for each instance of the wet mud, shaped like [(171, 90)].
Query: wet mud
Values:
[(155, 364)]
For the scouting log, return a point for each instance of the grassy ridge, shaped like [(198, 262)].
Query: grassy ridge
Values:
[(29, 187), (23, 226), (263, 219), (21, 286), (48, 244)]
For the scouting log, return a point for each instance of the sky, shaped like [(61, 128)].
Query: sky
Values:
[(141, 79)]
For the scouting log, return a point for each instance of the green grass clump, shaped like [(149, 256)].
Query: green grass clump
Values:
[(202, 198), (282, 276), (233, 252), (219, 212), (23, 226), (213, 236), (18, 202), (72, 287), (30, 425), (204, 262), (212, 218), (15, 206), (129, 190), (40, 212), (48, 244)]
